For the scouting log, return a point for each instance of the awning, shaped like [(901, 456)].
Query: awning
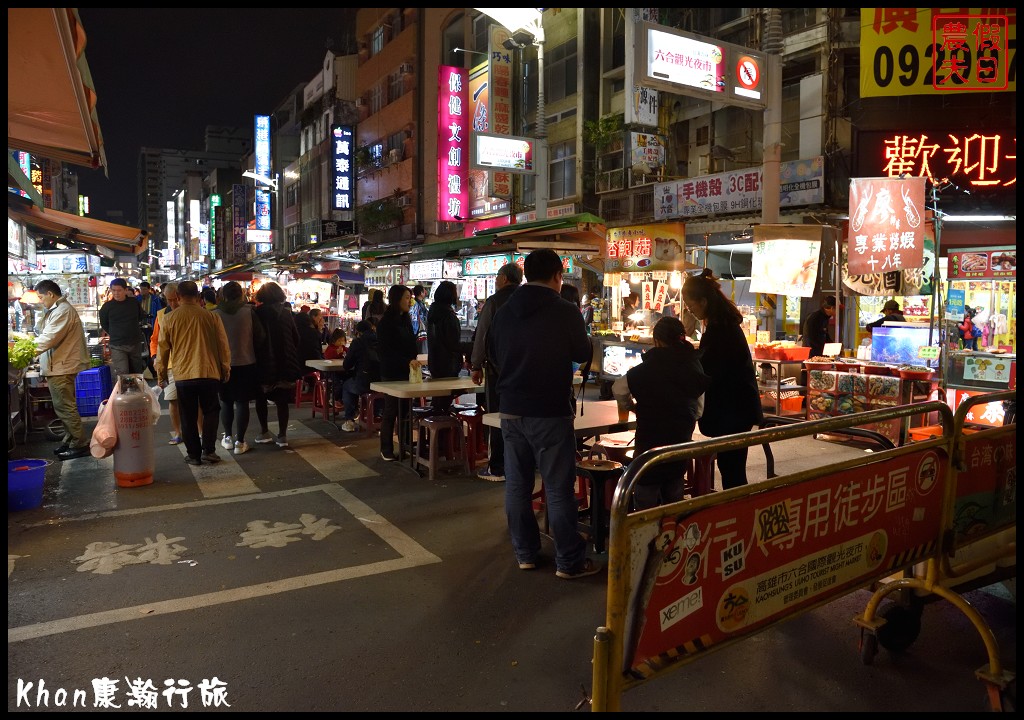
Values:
[(76, 228), (51, 101), (583, 233)]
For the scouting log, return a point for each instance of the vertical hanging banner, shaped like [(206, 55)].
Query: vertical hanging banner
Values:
[(886, 224), (500, 96), (452, 144), (238, 222), (261, 155), (342, 187), (647, 298)]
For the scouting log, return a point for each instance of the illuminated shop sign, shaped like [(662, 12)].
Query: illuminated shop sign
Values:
[(689, 64), (933, 51), (646, 248), (262, 159), (978, 160), (452, 144), (342, 187), (886, 224), (505, 152)]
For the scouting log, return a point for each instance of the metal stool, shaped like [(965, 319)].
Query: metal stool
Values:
[(601, 477), (454, 450)]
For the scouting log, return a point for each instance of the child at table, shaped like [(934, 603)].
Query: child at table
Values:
[(336, 347)]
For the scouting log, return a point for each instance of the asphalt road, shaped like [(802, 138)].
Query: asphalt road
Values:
[(322, 578)]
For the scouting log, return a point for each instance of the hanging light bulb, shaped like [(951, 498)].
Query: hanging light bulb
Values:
[(31, 297), (677, 280)]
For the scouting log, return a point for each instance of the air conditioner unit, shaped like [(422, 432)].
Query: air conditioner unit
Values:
[(405, 68), (404, 201), (394, 156)]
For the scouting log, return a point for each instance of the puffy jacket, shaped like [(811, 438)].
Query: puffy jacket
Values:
[(397, 344), (444, 346), (62, 341), (283, 339), (310, 347)]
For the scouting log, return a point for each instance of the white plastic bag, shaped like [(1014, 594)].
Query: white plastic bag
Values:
[(104, 435), (154, 402)]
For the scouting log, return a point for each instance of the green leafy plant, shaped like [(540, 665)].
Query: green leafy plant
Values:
[(602, 132), (21, 354), (379, 215)]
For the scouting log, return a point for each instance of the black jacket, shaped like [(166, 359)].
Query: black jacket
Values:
[(891, 317), (535, 338), (732, 403), (444, 341), (309, 339), (363, 359), (666, 387), (283, 340), (815, 332), (397, 344)]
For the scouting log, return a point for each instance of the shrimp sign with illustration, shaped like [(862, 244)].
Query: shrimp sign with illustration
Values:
[(886, 233)]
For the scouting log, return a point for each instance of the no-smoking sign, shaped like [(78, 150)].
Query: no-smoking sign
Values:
[(748, 73)]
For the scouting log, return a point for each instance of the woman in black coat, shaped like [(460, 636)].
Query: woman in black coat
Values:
[(444, 339), (396, 344), (664, 390), (279, 371), (732, 402)]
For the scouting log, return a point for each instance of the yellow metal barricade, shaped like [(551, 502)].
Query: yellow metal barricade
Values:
[(978, 546), (699, 575)]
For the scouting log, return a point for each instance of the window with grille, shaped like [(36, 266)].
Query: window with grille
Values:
[(395, 87)]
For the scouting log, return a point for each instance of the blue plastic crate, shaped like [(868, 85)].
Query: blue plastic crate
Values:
[(92, 387)]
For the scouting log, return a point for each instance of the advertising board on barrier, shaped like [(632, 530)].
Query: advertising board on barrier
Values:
[(729, 569)]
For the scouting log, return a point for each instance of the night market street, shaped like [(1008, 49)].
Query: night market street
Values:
[(324, 579)]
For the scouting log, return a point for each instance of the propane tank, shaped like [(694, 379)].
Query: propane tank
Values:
[(134, 453)]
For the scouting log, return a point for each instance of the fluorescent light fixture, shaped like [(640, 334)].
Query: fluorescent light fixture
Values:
[(979, 218), (261, 179)]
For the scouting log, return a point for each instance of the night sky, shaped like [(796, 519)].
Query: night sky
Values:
[(163, 75)]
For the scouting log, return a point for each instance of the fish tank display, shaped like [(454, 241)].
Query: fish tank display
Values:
[(900, 343)]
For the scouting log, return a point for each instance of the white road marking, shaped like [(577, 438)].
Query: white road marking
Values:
[(326, 458), (413, 555), (223, 479)]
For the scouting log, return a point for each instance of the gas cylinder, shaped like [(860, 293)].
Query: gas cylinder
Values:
[(134, 453)]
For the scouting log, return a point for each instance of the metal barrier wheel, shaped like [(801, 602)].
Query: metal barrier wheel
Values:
[(55, 429), (868, 647), (902, 626)]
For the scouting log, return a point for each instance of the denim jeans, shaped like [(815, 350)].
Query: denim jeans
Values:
[(547, 445)]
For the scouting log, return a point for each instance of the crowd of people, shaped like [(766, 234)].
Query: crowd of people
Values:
[(215, 357)]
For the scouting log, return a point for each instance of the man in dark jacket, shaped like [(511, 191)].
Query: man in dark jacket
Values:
[(815, 328), (509, 277), (535, 338)]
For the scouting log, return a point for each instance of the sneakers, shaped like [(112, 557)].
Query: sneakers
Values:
[(589, 567), (175, 440), (211, 457), (241, 447), (390, 457), (527, 566), (227, 443), (486, 474), (348, 426), (264, 438), (281, 440)]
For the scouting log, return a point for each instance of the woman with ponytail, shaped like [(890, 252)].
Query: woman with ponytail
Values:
[(732, 402)]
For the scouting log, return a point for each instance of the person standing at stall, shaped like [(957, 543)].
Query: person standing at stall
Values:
[(122, 319), (890, 313), (968, 330), (664, 390), (373, 309), (444, 340), (587, 310), (535, 337), (397, 346), (816, 326), (418, 313), (732, 401), (509, 277), (62, 355)]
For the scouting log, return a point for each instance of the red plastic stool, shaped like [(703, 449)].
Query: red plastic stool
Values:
[(369, 416), (700, 476), (320, 400), (312, 378), (476, 434)]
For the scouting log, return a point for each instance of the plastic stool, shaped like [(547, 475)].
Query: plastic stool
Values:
[(700, 476), (320, 400), (368, 416), (601, 477), (476, 437), (454, 449), (313, 378)]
